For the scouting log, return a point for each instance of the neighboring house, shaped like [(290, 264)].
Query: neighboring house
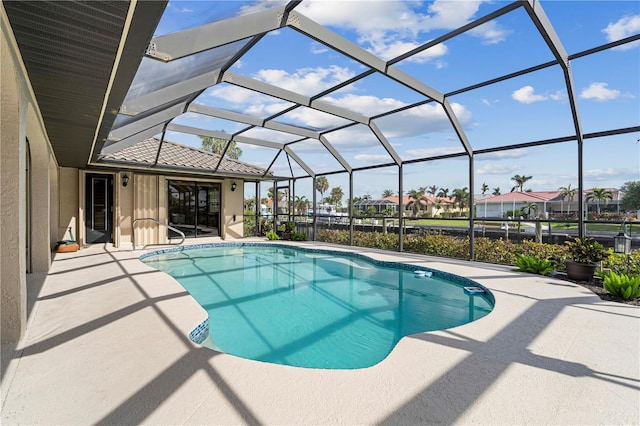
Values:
[(432, 206), (548, 203), (497, 206)]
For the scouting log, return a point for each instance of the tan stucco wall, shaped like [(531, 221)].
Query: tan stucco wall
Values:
[(145, 205), (20, 121), (232, 205), (68, 202), (124, 208), (12, 199)]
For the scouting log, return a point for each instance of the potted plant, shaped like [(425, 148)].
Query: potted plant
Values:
[(287, 230), (584, 256)]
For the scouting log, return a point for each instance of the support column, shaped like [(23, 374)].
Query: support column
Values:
[(41, 245)]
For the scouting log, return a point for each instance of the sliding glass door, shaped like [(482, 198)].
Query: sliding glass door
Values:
[(194, 208)]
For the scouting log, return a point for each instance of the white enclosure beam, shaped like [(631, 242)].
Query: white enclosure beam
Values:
[(187, 42)]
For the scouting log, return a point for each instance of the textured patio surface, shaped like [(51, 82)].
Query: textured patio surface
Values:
[(107, 343)]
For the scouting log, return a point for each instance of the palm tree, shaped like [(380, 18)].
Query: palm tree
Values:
[(569, 193), (249, 203), (460, 195), (444, 193), (528, 208), (432, 190), (416, 196), (387, 193), (217, 145), (301, 204), (484, 188), (599, 194), (520, 181), (438, 205), (276, 204), (336, 196), (322, 184), (496, 191)]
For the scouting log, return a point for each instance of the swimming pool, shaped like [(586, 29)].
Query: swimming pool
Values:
[(315, 308)]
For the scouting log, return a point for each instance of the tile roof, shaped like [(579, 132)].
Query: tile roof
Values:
[(539, 196), (520, 197), (406, 200), (176, 156)]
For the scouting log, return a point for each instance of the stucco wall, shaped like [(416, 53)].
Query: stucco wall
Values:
[(68, 202), (20, 121), (12, 183), (124, 208), (232, 205), (145, 205)]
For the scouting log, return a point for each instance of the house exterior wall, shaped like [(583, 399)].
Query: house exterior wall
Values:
[(232, 210), (146, 196), (68, 203), (26, 208)]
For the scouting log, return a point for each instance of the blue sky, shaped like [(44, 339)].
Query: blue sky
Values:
[(527, 108)]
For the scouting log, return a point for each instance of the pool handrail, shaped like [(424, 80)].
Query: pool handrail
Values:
[(133, 232)]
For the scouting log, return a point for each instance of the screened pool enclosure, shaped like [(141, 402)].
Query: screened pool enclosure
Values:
[(399, 96)]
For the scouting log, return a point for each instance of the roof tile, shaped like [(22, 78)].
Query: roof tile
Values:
[(174, 155)]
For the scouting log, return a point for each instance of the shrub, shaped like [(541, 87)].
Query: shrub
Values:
[(586, 250), (622, 285), (299, 236), (486, 250), (271, 235), (526, 263), (619, 262)]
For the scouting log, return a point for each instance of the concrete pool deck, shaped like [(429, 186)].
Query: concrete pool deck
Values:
[(107, 343)]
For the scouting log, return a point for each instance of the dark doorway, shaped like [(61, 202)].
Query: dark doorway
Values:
[(99, 209)]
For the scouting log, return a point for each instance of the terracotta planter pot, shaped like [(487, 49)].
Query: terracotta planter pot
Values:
[(580, 271)]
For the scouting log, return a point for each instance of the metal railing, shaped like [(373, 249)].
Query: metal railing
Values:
[(133, 232)]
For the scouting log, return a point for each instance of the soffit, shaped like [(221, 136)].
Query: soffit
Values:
[(69, 50)]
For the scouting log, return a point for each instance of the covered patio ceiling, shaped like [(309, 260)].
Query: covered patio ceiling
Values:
[(140, 87)]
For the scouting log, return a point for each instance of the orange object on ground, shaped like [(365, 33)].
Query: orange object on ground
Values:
[(67, 248)]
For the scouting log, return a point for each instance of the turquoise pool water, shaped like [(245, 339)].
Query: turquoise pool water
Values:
[(314, 308)]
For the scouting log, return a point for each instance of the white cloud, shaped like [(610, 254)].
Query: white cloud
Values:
[(266, 109), (622, 28), (600, 92), (602, 173), (425, 119), (306, 81), (434, 152), (318, 49), (389, 29), (440, 64), (354, 139), (315, 119), (386, 49), (526, 95), (559, 95), (497, 169), (186, 10), (268, 135), (501, 155), (491, 33), (238, 95), (367, 105), (373, 158), (261, 5)]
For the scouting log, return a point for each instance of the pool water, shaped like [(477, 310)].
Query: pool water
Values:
[(312, 308)]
